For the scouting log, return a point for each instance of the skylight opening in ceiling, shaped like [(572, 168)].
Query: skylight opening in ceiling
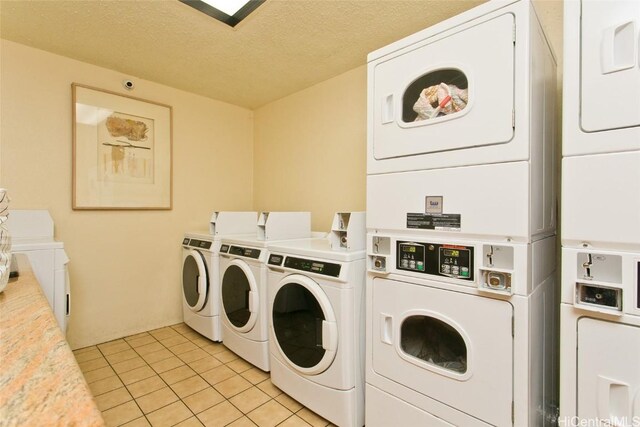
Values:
[(231, 12)]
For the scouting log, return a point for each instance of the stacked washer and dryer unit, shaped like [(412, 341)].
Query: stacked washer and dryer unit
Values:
[(461, 218), (600, 310)]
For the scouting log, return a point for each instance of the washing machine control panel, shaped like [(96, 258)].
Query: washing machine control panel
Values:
[(195, 243), (447, 260), (245, 252), (313, 266)]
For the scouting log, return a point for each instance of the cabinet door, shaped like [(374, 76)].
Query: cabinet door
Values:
[(454, 91), (610, 74), (608, 372)]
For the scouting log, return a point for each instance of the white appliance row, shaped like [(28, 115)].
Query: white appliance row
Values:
[(600, 310), (292, 305), (32, 235), (462, 312), (200, 270)]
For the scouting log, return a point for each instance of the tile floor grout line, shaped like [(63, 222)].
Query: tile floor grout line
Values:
[(161, 379), (199, 343)]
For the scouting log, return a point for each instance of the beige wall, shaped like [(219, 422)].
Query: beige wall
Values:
[(310, 150), (125, 266)]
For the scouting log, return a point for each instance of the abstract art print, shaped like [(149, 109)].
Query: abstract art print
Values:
[(121, 151)]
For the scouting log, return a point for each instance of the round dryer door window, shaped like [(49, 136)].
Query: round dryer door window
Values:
[(304, 325), (240, 296), (194, 280)]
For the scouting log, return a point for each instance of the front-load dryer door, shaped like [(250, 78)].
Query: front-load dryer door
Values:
[(452, 92), (240, 296), (195, 280), (608, 372), (610, 75), (304, 324), (450, 346)]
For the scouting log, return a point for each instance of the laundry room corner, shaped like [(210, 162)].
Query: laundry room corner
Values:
[(124, 265), (318, 136)]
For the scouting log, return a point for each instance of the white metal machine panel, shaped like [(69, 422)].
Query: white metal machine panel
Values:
[(226, 223), (608, 372), (601, 201), (491, 200), (489, 75), (484, 390), (601, 77), (601, 281)]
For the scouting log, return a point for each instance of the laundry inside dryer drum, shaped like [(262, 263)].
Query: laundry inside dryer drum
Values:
[(435, 342), (235, 296), (297, 322)]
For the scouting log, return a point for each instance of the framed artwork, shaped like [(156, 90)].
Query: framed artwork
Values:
[(121, 151)]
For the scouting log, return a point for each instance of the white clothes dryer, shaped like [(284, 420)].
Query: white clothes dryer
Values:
[(482, 163), (32, 234), (601, 210), (600, 316), (316, 305), (460, 332)]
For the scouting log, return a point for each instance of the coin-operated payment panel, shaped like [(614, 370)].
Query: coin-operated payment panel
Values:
[(455, 261)]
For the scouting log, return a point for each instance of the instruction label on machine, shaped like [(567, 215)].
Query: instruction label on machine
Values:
[(442, 222)]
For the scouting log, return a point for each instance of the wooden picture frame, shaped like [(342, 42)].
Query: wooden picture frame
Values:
[(122, 151)]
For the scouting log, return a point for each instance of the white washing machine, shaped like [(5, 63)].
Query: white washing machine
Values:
[(600, 351), (200, 270), (32, 233), (243, 290), (316, 305), (243, 283), (460, 332)]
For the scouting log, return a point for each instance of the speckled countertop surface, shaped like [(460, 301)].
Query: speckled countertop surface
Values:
[(40, 382)]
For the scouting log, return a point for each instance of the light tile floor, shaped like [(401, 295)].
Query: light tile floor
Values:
[(175, 377)]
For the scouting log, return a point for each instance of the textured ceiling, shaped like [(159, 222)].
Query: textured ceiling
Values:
[(282, 47)]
